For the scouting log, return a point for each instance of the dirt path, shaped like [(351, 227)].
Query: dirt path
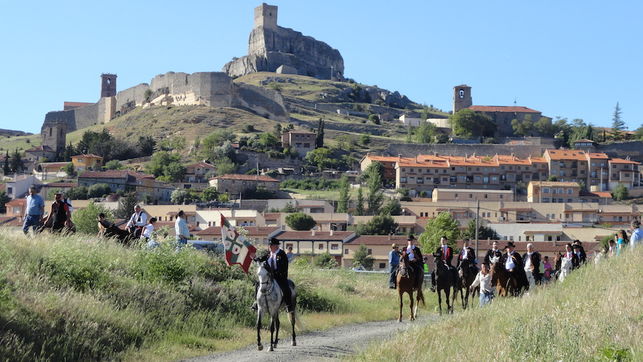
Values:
[(330, 344)]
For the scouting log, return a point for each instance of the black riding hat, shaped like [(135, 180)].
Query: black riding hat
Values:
[(510, 245), (274, 241)]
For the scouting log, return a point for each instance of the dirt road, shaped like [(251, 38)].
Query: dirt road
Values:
[(321, 345)]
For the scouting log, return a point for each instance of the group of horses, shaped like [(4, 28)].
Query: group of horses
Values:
[(449, 281)]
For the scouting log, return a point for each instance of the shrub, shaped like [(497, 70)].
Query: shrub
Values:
[(98, 190), (164, 264), (85, 219), (300, 221), (325, 260)]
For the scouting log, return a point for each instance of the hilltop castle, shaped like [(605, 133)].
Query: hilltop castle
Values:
[(272, 48)]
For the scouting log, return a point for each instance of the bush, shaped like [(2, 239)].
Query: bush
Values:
[(98, 190), (164, 264), (85, 219), (300, 221), (325, 261)]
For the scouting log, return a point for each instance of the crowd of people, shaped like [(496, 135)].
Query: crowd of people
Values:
[(58, 218), (530, 268)]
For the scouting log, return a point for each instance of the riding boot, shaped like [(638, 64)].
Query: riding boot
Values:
[(433, 281)]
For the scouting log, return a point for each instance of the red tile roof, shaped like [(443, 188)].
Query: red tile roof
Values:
[(246, 178), (601, 194), (503, 109), (89, 155), (319, 235), (262, 231), (623, 161), (17, 202), (565, 154), (598, 155), (61, 184), (201, 164)]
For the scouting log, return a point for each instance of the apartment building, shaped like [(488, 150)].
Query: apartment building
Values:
[(444, 194), (553, 191)]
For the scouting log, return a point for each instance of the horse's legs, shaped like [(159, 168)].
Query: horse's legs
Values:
[(292, 322), (272, 333), (259, 346), (399, 291), (411, 305), (277, 326), (440, 300)]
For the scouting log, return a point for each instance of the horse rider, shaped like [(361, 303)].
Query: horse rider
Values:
[(580, 254), (493, 252), (514, 265), (569, 254), (445, 253), (278, 263), (137, 222), (531, 261), (467, 257), (413, 254), (393, 263)]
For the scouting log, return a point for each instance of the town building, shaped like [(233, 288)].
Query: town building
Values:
[(300, 141), (236, 184), (411, 119), (198, 172), (144, 185), (446, 194), (553, 191), (40, 154), (18, 186), (377, 246), (87, 162), (49, 170)]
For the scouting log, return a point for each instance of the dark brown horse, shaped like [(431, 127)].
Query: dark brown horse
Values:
[(406, 284), (466, 275), (506, 283), (445, 280)]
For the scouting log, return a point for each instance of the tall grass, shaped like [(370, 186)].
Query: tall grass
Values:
[(83, 298), (596, 314)]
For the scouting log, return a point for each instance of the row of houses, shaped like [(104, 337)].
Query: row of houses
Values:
[(423, 173)]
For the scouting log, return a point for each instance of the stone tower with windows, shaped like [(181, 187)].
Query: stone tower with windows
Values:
[(108, 85), (54, 135), (266, 16), (461, 97)]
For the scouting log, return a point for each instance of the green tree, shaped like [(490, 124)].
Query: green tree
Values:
[(344, 194), (209, 194), (98, 190), (319, 139), (523, 127), (77, 193), (618, 125), (378, 225), (375, 193), (365, 139), (545, 127), (126, 205), (468, 123), (620, 192), (113, 165), (325, 261), (224, 167), (145, 145), (214, 140), (3, 200), (425, 133), (442, 225), (268, 141), (392, 207), (359, 207), (6, 169), (552, 178), (361, 258), (183, 197), (69, 169), (484, 232), (85, 219), (16, 162), (300, 221), (320, 158), (166, 166), (277, 131)]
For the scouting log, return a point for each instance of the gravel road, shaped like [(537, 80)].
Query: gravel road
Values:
[(325, 345)]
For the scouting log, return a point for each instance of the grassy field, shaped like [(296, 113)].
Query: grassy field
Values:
[(81, 298), (20, 143), (595, 315)]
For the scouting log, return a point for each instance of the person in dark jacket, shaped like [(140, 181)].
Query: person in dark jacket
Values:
[(494, 251), (413, 254), (531, 261), (277, 262), (467, 256), (59, 216), (569, 254), (444, 252)]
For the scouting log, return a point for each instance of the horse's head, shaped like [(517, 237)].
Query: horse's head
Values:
[(403, 267), (264, 275), (494, 259)]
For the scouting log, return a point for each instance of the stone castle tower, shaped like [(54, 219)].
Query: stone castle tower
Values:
[(54, 135), (266, 16), (108, 85), (107, 104), (461, 97)]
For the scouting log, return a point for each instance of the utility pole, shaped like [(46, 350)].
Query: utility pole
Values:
[(477, 224)]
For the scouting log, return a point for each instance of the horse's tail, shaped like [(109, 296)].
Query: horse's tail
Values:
[(298, 323), (420, 297)]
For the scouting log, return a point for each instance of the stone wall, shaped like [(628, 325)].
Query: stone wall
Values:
[(632, 149), (134, 94), (410, 150)]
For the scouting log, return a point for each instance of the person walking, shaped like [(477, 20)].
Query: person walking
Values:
[(621, 240), (34, 211), (483, 279), (59, 217), (636, 238), (393, 263), (547, 268), (181, 230), (290, 254), (136, 222), (148, 234), (531, 261)]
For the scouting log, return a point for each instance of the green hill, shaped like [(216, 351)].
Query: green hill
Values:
[(596, 314)]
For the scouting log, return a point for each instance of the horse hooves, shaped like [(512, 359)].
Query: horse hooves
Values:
[(294, 343), (399, 320), (271, 349), (259, 348)]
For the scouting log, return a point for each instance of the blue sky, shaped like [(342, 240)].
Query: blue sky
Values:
[(572, 59)]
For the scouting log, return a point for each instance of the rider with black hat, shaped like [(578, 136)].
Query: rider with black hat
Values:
[(413, 254), (277, 262)]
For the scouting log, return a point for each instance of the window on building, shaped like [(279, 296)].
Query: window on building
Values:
[(334, 247), (382, 265), (320, 247), (345, 251), (549, 238), (370, 251)]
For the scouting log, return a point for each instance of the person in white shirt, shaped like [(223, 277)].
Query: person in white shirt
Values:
[(136, 222), (483, 279), (637, 235), (531, 260), (148, 234), (181, 229)]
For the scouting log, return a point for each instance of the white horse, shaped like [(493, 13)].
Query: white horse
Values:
[(269, 301), (565, 268)]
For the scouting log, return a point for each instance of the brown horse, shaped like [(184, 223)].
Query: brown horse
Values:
[(501, 278), (406, 284), (466, 276), (445, 280)]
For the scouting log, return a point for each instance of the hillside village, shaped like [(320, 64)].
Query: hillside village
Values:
[(281, 132)]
